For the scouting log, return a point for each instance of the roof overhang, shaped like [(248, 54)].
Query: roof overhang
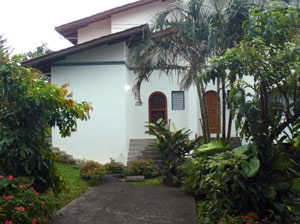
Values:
[(43, 63), (69, 30)]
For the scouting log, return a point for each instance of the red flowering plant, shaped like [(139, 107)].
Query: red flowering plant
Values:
[(147, 167), (173, 147), (21, 203), (93, 172), (247, 220), (114, 167)]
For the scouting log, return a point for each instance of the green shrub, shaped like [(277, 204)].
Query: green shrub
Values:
[(234, 183), (114, 167), (173, 147), (148, 168), (93, 172), (20, 203), (29, 107)]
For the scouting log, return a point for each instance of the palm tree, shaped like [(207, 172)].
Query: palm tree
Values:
[(169, 42), (190, 32)]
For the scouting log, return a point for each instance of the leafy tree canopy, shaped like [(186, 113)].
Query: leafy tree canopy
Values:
[(28, 107), (264, 69)]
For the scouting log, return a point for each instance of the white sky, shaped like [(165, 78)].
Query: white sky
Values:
[(27, 23)]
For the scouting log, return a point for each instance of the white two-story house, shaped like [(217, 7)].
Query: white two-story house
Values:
[(96, 68)]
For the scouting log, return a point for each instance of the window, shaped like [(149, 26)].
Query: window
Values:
[(177, 100)]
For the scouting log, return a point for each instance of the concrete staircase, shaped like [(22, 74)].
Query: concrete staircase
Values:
[(63, 156), (140, 149)]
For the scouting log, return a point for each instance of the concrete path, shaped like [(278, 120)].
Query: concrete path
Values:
[(116, 202)]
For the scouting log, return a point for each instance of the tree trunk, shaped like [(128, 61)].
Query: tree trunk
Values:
[(223, 109), (218, 109), (202, 112), (229, 126), (229, 120), (205, 118)]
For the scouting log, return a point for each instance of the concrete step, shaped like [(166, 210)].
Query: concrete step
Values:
[(132, 153), (136, 149), (142, 149), (141, 142), (146, 153), (147, 157), (147, 140)]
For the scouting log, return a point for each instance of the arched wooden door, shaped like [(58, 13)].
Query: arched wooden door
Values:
[(212, 107), (157, 107)]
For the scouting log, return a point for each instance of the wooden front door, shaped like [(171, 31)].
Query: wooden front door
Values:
[(211, 101), (157, 107)]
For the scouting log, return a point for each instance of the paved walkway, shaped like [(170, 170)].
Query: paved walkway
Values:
[(116, 202)]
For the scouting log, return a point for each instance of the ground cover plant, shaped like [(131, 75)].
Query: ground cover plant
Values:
[(173, 147), (155, 181), (146, 167), (75, 185)]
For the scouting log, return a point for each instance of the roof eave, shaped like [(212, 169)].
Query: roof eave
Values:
[(69, 30), (44, 62)]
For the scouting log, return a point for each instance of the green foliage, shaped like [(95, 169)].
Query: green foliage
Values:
[(233, 183), (155, 181), (211, 148), (114, 167), (173, 147), (147, 167), (93, 172), (268, 56), (264, 72), (20, 203), (28, 107)]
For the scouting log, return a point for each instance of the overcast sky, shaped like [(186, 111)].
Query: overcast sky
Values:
[(27, 23)]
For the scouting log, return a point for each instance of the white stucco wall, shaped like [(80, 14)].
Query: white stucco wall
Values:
[(137, 16), (94, 30), (104, 135), (122, 21)]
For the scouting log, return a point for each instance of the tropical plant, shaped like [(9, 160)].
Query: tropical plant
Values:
[(232, 182), (239, 171), (28, 107), (146, 167), (173, 148), (183, 44)]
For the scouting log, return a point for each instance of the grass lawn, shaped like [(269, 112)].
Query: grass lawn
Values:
[(75, 185), (156, 181)]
